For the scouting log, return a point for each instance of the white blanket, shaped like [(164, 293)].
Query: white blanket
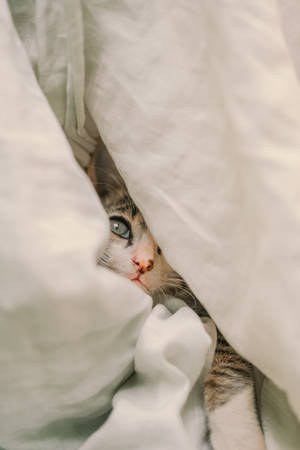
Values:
[(199, 104)]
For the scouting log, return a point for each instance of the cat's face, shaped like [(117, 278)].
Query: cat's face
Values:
[(131, 250)]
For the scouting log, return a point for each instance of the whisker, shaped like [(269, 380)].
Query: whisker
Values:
[(184, 289)]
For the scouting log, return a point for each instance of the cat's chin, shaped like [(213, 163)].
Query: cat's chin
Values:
[(141, 285)]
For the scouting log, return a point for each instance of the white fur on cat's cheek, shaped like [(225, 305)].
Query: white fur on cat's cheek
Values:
[(234, 426), (119, 258)]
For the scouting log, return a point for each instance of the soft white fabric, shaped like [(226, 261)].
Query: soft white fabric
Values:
[(282, 429), (209, 96), (199, 104), (160, 407), (66, 338)]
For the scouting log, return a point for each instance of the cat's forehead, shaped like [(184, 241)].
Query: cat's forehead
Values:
[(121, 204), (125, 207)]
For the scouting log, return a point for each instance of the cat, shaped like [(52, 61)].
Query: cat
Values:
[(229, 390)]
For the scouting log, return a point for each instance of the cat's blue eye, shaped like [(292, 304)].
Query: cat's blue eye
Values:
[(120, 227)]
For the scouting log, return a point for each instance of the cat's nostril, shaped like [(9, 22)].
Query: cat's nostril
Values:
[(150, 265), (144, 266)]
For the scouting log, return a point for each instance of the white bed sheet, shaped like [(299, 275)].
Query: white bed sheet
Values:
[(207, 93)]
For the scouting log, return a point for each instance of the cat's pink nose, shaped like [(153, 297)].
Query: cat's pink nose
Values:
[(142, 265)]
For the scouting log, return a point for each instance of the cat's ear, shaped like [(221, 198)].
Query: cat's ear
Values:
[(104, 175)]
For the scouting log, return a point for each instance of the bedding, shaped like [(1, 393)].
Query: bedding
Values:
[(200, 109)]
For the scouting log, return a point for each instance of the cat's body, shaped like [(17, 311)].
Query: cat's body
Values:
[(132, 251)]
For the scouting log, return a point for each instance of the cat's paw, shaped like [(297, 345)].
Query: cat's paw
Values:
[(237, 441), (234, 425)]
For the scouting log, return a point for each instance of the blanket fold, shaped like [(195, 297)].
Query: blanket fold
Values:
[(200, 108)]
